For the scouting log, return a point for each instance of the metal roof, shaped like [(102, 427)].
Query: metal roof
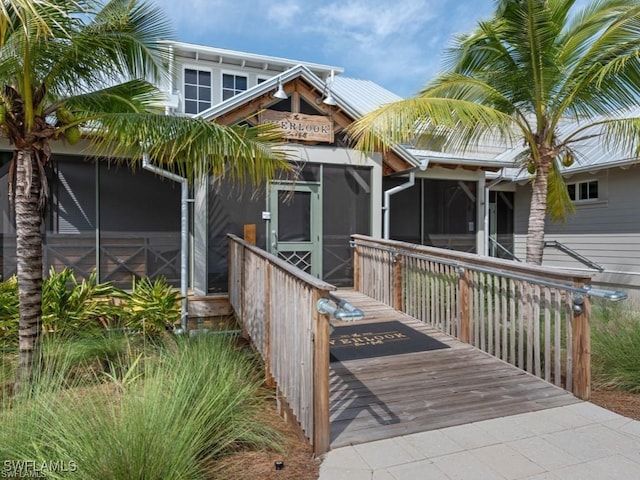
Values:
[(363, 95), (592, 153), (358, 97), (244, 59)]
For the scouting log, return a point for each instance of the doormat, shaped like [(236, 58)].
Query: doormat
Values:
[(370, 340)]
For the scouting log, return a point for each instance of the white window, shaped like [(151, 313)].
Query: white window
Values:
[(581, 191), (233, 85), (197, 90)]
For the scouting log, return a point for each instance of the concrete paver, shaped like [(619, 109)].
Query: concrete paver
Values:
[(581, 441)]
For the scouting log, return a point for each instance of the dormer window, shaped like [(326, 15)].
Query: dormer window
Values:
[(197, 90), (233, 85)]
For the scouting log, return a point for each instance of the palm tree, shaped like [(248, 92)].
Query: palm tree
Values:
[(539, 73), (83, 66)]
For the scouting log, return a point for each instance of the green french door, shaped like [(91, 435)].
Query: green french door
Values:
[(295, 229)]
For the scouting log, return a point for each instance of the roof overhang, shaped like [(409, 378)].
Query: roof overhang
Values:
[(244, 59)]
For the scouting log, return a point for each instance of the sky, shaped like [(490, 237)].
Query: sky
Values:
[(398, 44)]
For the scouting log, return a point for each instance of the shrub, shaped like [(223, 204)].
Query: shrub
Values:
[(615, 346), (72, 306), (194, 403), (68, 306), (86, 307), (152, 307)]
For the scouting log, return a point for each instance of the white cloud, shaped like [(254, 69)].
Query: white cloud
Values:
[(284, 13), (397, 43)]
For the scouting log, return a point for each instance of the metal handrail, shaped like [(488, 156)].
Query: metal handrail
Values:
[(573, 254), (343, 310), (613, 295), (504, 249)]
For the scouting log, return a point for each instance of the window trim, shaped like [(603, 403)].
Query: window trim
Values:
[(577, 185), (235, 73), (197, 68), (262, 78)]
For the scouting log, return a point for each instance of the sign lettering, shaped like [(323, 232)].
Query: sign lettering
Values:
[(298, 126)]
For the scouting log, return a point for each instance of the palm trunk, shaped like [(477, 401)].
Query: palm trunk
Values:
[(29, 264), (537, 214)]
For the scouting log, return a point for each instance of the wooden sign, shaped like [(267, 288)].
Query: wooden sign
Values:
[(298, 126)]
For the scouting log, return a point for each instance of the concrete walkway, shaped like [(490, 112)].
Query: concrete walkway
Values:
[(580, 441)]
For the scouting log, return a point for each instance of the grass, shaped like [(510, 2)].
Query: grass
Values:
[(160, 412), (615, 347)]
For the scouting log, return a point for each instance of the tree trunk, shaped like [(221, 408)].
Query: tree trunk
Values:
[(538, 213), (29, 264)]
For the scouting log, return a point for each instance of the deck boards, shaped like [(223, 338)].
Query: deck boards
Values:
[(384, 397)]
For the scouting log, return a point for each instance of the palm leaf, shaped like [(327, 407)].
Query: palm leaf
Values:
[(559, 205), (192, 146)]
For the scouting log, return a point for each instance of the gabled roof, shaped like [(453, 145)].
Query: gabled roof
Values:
[(299, 71), (348, 104), (356, 98)]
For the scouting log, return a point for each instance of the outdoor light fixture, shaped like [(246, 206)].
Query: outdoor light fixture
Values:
[(280, 93), (328, 99)]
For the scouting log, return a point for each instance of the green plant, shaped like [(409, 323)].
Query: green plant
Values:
[(8, 312), (84, 358), (152, 307), (615, 347), (69, 305), (195, 402)]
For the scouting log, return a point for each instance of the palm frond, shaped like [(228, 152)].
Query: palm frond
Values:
[(40, 18), (464, 123), (115, 45), (192, 146), (559, 205), (600, 52), (135, 96), (620, 133)]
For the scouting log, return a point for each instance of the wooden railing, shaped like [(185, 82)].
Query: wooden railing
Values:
[(529, 316), (123, 256), (276, 305)]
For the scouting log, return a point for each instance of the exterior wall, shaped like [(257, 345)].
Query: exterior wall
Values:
[(230, 207), (126, 223), (343, 156), (605, 231), (416, 215), (253, 75)]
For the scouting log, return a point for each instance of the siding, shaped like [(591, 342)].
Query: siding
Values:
[(606, 232), (216, 70)]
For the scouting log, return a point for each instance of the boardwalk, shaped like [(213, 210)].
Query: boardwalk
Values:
[(385, 397)]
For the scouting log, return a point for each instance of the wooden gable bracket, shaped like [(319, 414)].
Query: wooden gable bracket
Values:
[(298, 88)]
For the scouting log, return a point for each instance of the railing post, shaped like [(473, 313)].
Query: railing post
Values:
[(249, 233), (321, 333), (269, 380), (397, 282), (582, 350), (356, 267), (464, 295)]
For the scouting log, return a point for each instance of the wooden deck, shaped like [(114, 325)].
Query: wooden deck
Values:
[(384, 397)]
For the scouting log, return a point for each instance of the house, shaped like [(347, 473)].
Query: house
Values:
[(128, 223), (602, 236)]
